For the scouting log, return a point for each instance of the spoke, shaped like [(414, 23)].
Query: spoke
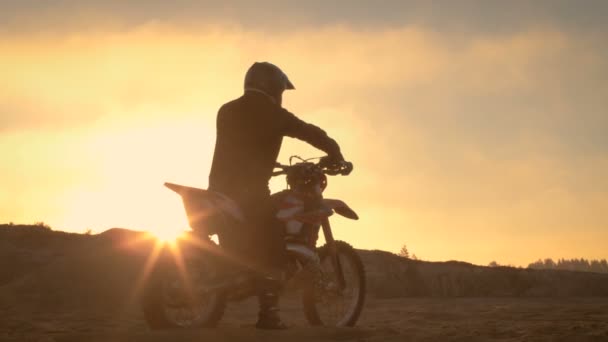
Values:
[(181, 309), (335, 306)]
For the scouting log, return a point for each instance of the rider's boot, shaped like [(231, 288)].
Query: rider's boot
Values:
[(268, 316)]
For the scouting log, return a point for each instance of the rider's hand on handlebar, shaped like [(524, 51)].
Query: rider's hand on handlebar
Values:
[(330, 162), (347, 168), (336, 167)]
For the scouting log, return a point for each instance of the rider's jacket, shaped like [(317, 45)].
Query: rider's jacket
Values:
[(250, 131)]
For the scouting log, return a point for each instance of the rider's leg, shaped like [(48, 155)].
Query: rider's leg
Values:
[(268, 297), (234, 251), (262, 244), (271, 256)]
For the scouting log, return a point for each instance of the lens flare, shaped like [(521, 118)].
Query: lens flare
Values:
[(168, 236)]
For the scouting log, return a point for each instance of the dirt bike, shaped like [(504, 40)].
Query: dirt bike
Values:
[(187, 294)]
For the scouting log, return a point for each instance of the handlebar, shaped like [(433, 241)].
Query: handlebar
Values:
[(343, 168)]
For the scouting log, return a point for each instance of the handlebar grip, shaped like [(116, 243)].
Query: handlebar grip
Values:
[(348, 168)]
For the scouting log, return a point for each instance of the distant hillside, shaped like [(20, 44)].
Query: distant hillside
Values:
[(391, 276), (44, 268)]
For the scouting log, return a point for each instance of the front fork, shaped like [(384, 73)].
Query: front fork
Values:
[(333, 253)]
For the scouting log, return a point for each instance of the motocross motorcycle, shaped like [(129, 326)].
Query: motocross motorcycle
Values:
[(186, 293)]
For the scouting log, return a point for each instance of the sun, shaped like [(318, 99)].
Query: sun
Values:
[(168, 236)]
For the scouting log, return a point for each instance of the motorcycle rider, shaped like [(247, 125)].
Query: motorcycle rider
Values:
[(250, 131)]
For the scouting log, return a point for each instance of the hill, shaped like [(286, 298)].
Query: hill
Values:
[(55, 268), (59, 283)]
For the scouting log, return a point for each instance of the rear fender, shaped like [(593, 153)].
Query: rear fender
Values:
[(202, 205), (340, 208)]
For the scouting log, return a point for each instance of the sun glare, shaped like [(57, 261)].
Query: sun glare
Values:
[(168, 236)]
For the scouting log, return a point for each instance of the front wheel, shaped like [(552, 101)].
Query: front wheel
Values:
[(325, 303)]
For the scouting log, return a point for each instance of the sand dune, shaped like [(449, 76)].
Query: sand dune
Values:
[(411, 319)]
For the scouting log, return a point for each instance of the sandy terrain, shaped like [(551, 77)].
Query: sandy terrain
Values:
[(419, 319), (56, 286)]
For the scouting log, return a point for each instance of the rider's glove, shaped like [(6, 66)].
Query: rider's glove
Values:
[(329, 162), (336, 166)]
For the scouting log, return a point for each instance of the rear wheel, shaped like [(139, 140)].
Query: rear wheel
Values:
[(170, 301), (324, 302)]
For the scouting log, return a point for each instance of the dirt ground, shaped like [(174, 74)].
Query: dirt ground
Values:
[(416, 319)]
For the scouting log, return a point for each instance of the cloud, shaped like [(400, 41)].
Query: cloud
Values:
[(468, 16), (493, 135)]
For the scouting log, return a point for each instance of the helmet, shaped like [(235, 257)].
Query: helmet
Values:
[(267, 78)]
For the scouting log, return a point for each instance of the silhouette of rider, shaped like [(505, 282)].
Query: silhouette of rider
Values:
[(250, 131)]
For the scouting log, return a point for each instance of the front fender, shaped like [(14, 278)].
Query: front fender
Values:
[(340, 208)]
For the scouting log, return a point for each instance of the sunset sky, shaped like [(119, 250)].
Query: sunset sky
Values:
[(478, 129)]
